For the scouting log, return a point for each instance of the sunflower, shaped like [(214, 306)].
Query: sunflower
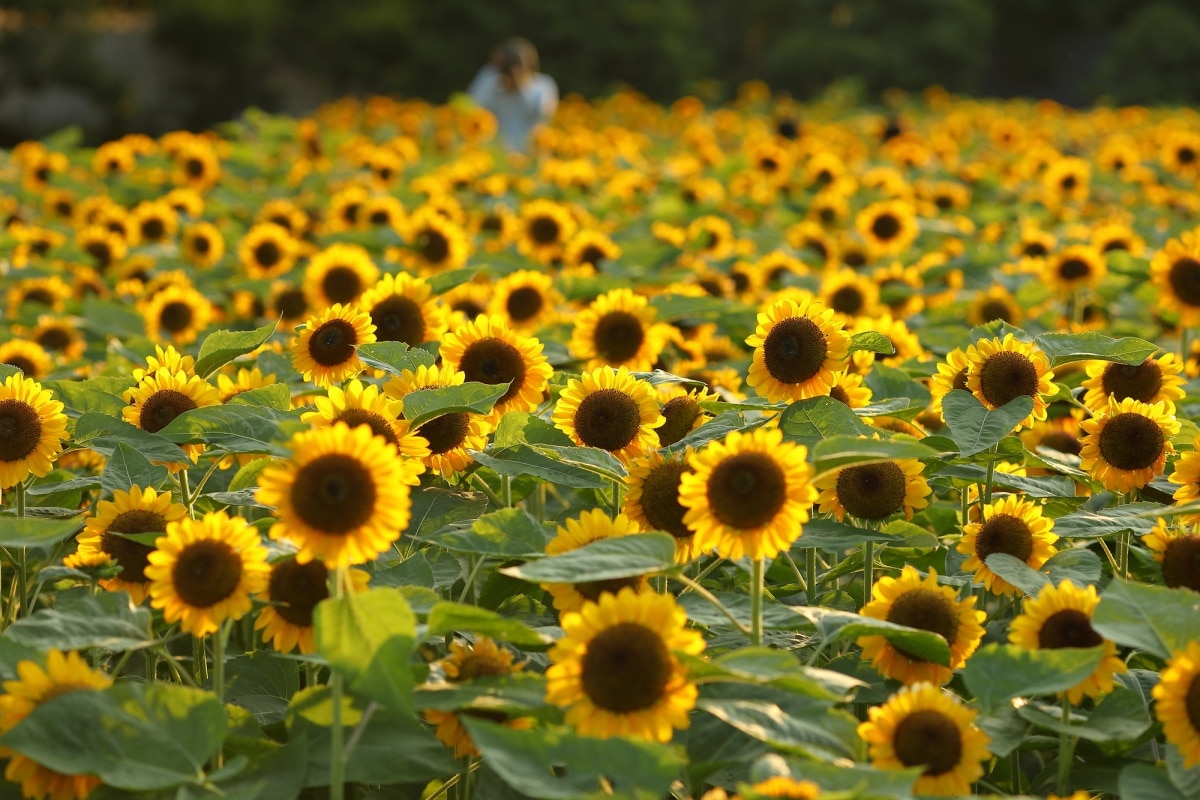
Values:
[(51, 293), (466, 302), (900, 289), (1112, 236), (994, 303), (1177, 549), (402, 310), (590, 248), (904, 342), (204, 571), (748, 494), (653, 499), (244, 381), (1010, 525), (177, 313), (1155, 380), (435, 243), (921, 603), (485, 659), (1075, 268), (186, 202), (546, 227), (874, 491), (452, 436), (618, 330), (1180, 153), (365, 405), (381, 211), (286, 214), (798, 345), (60, 336), (847, 387), (344, 208), (162, 396), (167, 358), (343, 496), (849, 294), (1000, 371), (326, 351), (1187, 476), (783, 787), (105, 247), (889, 227), (267, 251), (1175, 273), (590, 526), (610, 410), (62, 674), (29, 357), (496, 228), (809, 239), (488, 351), (615, 669), (681, 412), (32, 429), (711, 237), (1066, 180), (292, 592), (339, 274), (196, 165), (1034, 243), (1127, 445), (525, 300), (923, 726), (1177, 705), (113, 157), (154, 222), (135, 511)]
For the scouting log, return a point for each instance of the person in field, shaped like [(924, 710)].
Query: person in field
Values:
[(511, 87)]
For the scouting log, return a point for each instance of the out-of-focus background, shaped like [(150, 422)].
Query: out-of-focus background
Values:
[(141, 65)]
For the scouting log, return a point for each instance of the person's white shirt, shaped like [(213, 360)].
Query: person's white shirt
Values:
[(517, 111)]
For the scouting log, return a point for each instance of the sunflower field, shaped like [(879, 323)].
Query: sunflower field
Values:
[(764, 450)]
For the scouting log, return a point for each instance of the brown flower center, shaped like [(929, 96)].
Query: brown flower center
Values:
[(54, 339), (1142, 381), (680, 414), (524, 303), (130, 555), (1004, 533), (544, 230), (433, 246), (176, 316), (1062, 441), (618, 336), (848, 300), (446, 432), (872, 491), (608, 419), (162, 407), (267, 254), (1006, 376), (592, 590), (334, 493), (1068, 628), (626, 668), (885, 227), (1192, 703), (297, 588), (332, 343), (342, 285), (398, 319), (1185, 280), (996, 309), (927, 610), (795, 350), (1131, 441), (1074, 269), (206, 572), (291, 303), (930, 739), (660, 499), (153, 229), (1181, 563), (746, 490), (494, 360), (378, 425)]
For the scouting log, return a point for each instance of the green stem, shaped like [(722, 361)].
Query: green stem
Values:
[(617, 487), (482, 486), (536, 503), (506, 491), (337, 751), (710, 597), (757, 572), (986, 495), (468, 592), (1066, 749), (185, 493), (199, 661), (716, 562), (219, 642), (810, 574), (22, 566), (868, 570), (796, 569), (1123, 542)]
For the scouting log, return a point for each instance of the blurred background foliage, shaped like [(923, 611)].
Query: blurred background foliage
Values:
[(154, 65)]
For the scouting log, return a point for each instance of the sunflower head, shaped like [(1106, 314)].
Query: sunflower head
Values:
[(1177, 549), (1154, 380), (488, 351), (326, 351), (874, 491), (1127, 446), (618, 330), (798, 346), (1001, 370), (107, 533), (1177, 705), (610, 410), (653, 499), (32, 429), (293, 591), (591, 526), (1010, 525), (1175, 273)]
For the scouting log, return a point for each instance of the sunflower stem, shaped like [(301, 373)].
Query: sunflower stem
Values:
[(199, 661), (702, 574), (536, 503), (506, 491), (796, 569), (1123, 541), (810, 573), (757, 572), (868, 570), (986, 494), (337, 748), (710, 597), (185, 493), (1066, 749), (617, 486), (218, 673), (482, 486), (22, 556)]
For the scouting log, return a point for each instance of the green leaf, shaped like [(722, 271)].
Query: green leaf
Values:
[(99, 395), (35, 532), (434, 509), (102, 433), (775, 615), (602, 560), (997, 673), (109, 621), (1076, 564), (671, 307), (519, 691), (1120, 716), (262, 683), (811, 731), (394, 357), (236, 428), (1156, 619), (126, 467), (838, 452), (826, 534), (1063, 348), (369, 638), (447, 618), (7, 371), (810, 421), (521, 427), (221, 347), (974, 427), (1143, 780), (1040, 486), (618, 767), (277, 396), (872, 342), (860, 780), (762, 665), (108, 318), (833, 625), (136, 736), (592, 459), (659, 377), (1017, 572), (472, 398), (522, 459), (718, 427), (507, 533), (1093, 524)]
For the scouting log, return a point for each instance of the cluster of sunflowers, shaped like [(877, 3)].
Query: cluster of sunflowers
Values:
[(779, 449)]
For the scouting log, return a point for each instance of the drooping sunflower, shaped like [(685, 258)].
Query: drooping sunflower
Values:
[(611, 410), (1010, 525), (1000, 371), (924, 726), (798, 345), (32, 429), (615, 671), (921, 603), (63, 673), (178, 314), (889, 227), (1177, 705), (135, 511), (618, 330), (358, 404), (402, 309), (1177, 548), (1155, 380), (681, 412), (1127, 445), (747, 494), (29, 357), (343, 496), (161, 397), (293, 591), (485, 659), (1175, 273), (1075, 268), (339, 274), (526, 300), (204, 571), (653, 500), (1061, 616), (326, 351), (847, 387), (590, 526), (850, 294), (267, 251), (874, 491), (488, 351), (452, 436)]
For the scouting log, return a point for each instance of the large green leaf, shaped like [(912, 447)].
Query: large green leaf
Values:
[(507, 533), (810, 421), (522, 459), (833, 625), (826, 534), (109, 621), (1017, 572), (110, 318), (1039, 486), (369, 638), (126, 467), (262, 683), (619, 767), (811, 729), (1156, 619), (716, 428), (677, 306), (35, 532), (394, 357), (1120, 716), (445, 618), (235, 427), (838, 452), (601, 560), (99, 395), (221, 347), (1092, 524), (1143, 780), (471, 398), (872, 342), (1063, 348), (997, 673), (137, 736), (102, 433), (974, 427)]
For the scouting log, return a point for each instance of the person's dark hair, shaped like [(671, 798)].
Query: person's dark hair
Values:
[(517, 52)]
